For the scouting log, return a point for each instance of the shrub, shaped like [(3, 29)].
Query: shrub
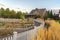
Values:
[(6, 32)]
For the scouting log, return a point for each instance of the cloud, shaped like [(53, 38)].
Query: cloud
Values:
[(2, 4)]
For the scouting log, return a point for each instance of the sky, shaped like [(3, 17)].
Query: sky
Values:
[(28, 5)]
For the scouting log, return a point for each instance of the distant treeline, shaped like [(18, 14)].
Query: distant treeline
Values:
[(7, 13)]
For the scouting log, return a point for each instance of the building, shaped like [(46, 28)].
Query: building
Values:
[(57, 16), (37, 13)]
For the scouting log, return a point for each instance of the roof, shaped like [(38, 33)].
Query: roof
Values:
[(40, 12)]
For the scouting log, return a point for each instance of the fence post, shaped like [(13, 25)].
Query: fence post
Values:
[(35, 29), (3, 39), (6, 38), (14, 35), (11, 37)]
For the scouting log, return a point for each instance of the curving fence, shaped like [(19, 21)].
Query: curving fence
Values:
[(27, 35)]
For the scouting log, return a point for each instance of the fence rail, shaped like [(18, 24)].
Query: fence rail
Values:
[(27, 35), (11, 37), (7, 38)]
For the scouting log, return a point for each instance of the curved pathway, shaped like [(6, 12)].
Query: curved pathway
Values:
[(27, 35)]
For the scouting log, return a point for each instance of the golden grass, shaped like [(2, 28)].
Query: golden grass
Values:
[(53, 33), (6, 32)]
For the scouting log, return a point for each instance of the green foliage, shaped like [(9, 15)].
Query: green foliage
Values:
[(20, 15), (49, 14), (7, 13), (57, 21), (2, 11), (12, 14)]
